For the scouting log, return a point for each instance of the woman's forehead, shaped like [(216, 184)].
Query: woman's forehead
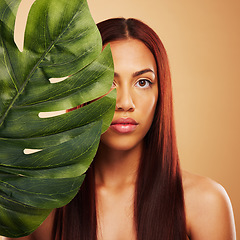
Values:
[(132, 55)]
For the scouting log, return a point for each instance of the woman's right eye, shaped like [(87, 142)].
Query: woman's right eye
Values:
[(113, 84)]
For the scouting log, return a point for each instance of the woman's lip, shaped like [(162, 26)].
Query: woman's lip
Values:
[(124, 121), (124, 125)]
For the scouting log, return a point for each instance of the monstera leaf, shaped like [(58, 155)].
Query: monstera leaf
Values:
[(61, 41)]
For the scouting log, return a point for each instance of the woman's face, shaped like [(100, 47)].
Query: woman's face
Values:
[(135, 78)]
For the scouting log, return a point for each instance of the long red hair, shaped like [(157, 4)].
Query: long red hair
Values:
[(159, 200)]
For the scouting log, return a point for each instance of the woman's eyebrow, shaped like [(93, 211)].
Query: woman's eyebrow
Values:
[(138, 73), (116, 74)]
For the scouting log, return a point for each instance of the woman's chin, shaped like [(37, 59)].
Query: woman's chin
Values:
[(120, 145)]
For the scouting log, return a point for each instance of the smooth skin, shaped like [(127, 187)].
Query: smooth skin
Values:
[(208, 209)]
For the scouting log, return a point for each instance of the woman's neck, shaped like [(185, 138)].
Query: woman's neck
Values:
[(116, 168)]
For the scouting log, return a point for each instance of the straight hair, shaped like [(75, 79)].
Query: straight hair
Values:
[(159, 211)]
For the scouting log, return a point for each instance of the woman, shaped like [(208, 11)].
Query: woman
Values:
[(135, 189)]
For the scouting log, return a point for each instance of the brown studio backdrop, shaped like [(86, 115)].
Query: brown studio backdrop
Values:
[(202, 40)]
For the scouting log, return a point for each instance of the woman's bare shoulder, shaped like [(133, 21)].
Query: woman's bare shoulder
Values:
[(193, 183), (208, 209)]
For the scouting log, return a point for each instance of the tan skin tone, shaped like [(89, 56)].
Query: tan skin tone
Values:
[(208, 208)]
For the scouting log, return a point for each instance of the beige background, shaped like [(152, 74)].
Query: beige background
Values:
[(202, 39)]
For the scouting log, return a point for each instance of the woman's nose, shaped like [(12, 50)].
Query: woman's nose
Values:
[(124, 101)]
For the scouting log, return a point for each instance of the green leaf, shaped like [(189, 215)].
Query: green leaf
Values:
[(61, 40)]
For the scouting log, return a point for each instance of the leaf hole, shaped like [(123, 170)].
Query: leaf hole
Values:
[(51, 114), (57, 80), (20, 175), (28, 151), (21, 21)]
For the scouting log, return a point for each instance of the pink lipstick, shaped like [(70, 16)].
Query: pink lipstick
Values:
[(124, 125)]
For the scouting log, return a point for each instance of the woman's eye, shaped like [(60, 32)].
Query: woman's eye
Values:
[(113, 85), (143, 83)]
